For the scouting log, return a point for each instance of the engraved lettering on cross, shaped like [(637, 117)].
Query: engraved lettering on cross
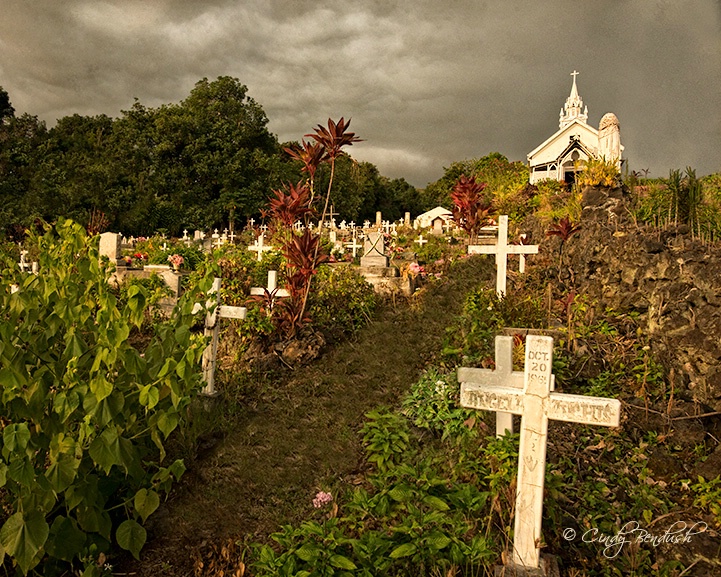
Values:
[(536, 404)]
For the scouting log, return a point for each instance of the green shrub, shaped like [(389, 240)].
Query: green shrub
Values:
[(85, 415), (433, 403), (341, 300)]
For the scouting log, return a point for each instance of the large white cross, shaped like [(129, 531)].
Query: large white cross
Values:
[(502, 375), (536, 404), (421, 241), (271, 288), (259, 247), (502, 249)]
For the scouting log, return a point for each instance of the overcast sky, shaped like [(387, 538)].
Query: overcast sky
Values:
[(426, 82)]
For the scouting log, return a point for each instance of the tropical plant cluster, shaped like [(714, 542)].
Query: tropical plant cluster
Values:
[(85, 414)]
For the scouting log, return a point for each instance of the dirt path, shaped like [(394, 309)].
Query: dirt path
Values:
[(302, 434)]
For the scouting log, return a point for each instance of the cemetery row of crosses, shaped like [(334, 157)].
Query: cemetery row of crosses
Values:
[(154, 343)]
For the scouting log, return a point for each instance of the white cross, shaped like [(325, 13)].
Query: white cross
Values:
[(298, 225), (351, 225), (502, 375), (263, 227), (343, 225), (231, 236), (502, 249), (354, 246), (536, 404), (366, 224), (251, 222), (271, 288), (214, 311), (421, 241), (23, 263), (259, 247), (185, 234)]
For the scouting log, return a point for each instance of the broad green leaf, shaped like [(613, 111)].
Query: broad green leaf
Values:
[(149, 396), (405, 550), (62, 472), (146, 502), (101, 387), (16, 437), (23, 536), (436, 503), (66, 540), (105, 450), (3, 474), (308, 552), (22, 471), (438, 540), (65, 403), (167, 422), (131, 536), (341, 562), (401, 493)]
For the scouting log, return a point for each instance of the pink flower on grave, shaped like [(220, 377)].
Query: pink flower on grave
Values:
[(322, 499), (415, 269), (176, 260)]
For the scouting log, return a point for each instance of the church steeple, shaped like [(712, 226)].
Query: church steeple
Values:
[(572, 110)]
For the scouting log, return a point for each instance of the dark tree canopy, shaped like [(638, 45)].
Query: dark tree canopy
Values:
[(199, 163)]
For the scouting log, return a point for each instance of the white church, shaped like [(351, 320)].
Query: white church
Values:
[(560, 156)]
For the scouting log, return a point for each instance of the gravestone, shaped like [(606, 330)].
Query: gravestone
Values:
[(407, 219), (502, 249), (110, 247), (536, 404), (379, 218), (437, 226), (374, 250)]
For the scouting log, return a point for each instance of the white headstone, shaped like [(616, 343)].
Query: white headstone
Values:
[(502, 249), (110, 246), (374, 250), (536, 404)]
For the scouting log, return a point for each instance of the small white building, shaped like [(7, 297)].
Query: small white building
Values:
[(426, 219), (560, 156)]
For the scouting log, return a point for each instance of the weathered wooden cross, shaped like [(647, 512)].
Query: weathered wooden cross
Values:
[(259, 247), (502, 375), (215, 311), (502, 249), (536, 404)]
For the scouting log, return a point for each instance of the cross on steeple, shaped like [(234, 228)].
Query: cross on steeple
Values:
[(574, 74)]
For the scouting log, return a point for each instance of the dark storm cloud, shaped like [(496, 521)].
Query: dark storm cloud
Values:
[(425, 82)]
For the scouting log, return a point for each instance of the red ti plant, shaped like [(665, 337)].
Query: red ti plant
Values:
[(470, 210), (287, 209), (311, 154), (564, 229), (302, 257)]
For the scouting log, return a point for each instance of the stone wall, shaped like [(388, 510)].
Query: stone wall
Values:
[(670, 279)]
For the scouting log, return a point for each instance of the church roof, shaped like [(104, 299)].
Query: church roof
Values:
[(555, 145)]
